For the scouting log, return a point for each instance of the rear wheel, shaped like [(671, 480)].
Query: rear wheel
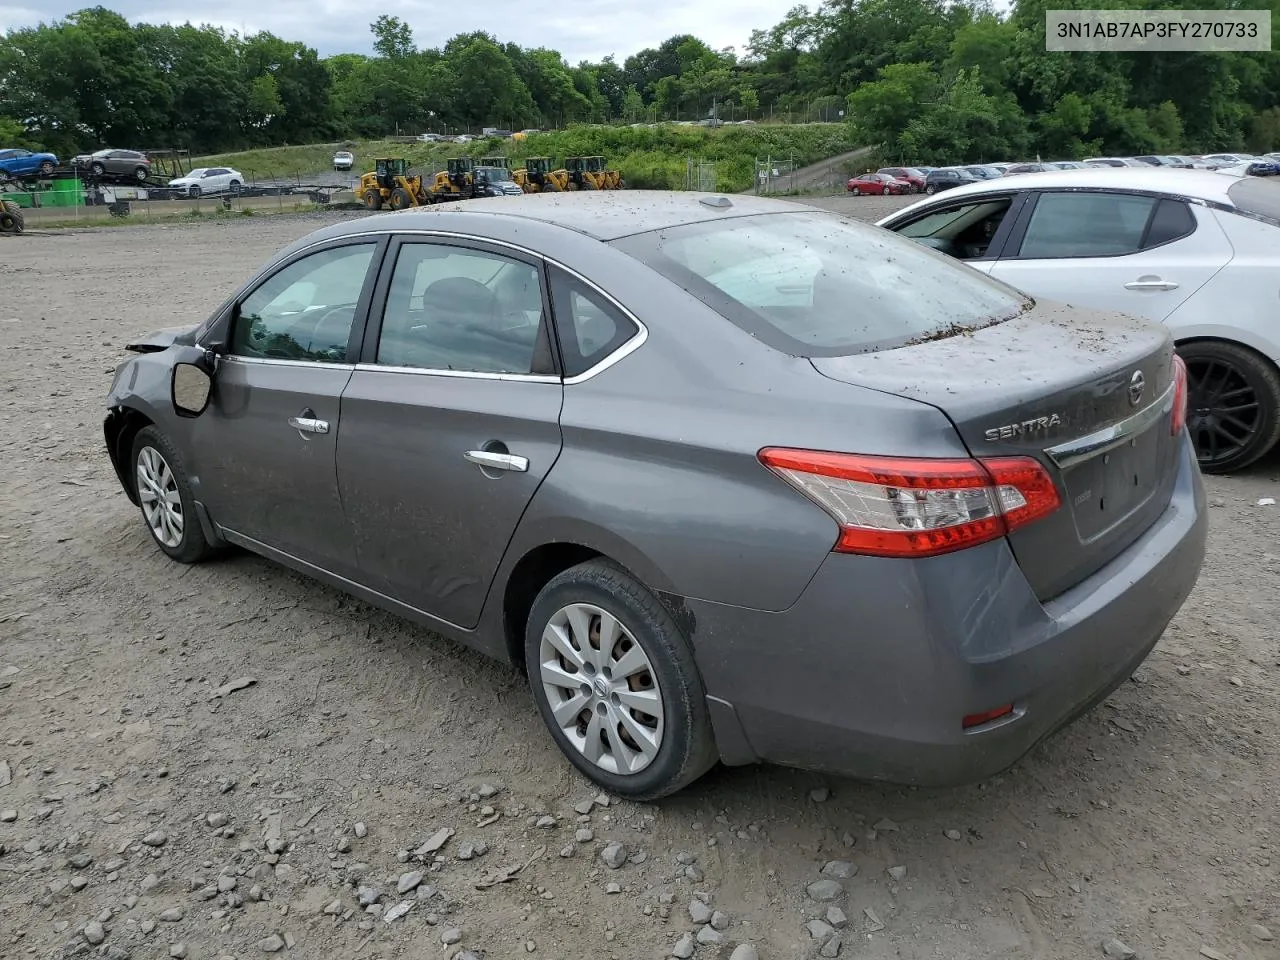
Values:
[(164, 495), (141, 173), (931, 189), (46, 167), (1233, 404), (373, 199), (616, 683), (400, 199)]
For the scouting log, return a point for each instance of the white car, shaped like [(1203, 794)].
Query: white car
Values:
[(207, 181), (343, 160), (1196, 250)]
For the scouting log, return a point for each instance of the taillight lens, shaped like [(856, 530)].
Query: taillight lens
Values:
[(1179, 418), (899, 507)]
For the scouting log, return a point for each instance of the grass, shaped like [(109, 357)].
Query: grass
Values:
[(648, 157)]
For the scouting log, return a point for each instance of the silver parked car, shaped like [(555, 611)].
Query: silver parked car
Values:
[(729, 478)]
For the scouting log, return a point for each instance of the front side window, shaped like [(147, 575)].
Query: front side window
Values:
[(1086, 225), (461, 309), (817, 284), (306, 310)]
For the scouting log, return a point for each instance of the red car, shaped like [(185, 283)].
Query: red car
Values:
[(912, 175), (880, 183)]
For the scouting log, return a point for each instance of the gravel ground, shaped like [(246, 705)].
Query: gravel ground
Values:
[(358, 798)]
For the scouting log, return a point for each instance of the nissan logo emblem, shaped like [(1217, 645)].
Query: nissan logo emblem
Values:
[(1137, 383)]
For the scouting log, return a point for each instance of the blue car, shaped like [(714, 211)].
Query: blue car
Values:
[(24, 163)]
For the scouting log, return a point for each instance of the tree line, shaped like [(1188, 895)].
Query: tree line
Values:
[(931, 81)]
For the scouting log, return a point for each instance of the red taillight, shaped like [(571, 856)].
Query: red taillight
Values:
[(900, 507), (1179, 418)]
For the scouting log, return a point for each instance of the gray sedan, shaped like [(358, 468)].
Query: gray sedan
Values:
[(729, 478)]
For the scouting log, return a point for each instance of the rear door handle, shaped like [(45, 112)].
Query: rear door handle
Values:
[(1151, 285), (309, 424), (497, 461)]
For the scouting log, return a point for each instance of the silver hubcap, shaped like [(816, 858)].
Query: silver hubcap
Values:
[(603, 691), (158, 493)]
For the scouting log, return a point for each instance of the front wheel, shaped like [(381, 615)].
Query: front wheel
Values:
[(1233, 404), (616, 683), (141, 174), (97, 169), (373, 199), (931, 189), (164, 495), (886, 191), (194, 193)]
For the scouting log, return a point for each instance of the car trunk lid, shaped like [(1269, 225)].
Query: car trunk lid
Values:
[(1089, 395)]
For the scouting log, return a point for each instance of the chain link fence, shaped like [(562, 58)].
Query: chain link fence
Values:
[(700, 175), (74, 201)]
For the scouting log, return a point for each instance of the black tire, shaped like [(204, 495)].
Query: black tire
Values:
[(194, 192), (235, 187), (886, 191), (11, 218), (688, 748), (931, 189), (1233, 404), (550, 186), (400, 199), (588, 184), (97, 169), (141, 174), (46, 167), (192, 546), (373, 199)]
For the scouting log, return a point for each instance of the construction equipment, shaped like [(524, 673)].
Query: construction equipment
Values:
[(455, 183), (495, 162), (538, 176), (586, 173), (11, 218), (390, 183)]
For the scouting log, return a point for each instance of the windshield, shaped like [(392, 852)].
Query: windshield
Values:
[(817, 284), (1257, 196)]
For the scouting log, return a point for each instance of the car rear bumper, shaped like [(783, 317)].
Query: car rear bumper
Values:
[(871, 672)]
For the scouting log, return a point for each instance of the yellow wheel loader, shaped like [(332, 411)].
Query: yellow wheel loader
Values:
[(586, 173), (457, 182), (389, 184), (538, 176)]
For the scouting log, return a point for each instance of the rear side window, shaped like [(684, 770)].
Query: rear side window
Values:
[(1086, 225), (589, 326), (817, 284), (1172, 220)]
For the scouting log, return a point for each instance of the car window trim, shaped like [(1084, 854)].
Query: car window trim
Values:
[(367, 349), (231, 313), (638, 335), (1033, 199)]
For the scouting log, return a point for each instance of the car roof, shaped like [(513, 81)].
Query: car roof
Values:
[(605, 215), (1205, 185)]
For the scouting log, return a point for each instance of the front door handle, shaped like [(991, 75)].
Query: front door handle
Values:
[(1151, 285), (309, 424), (497, 461)]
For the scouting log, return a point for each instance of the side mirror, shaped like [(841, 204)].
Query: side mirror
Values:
[(192, 385)]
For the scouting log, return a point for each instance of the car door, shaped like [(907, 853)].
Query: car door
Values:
[(450, 422), (1141, 254), (268, 439)]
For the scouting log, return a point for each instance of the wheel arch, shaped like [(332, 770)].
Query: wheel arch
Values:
[(120, 428), (540, 560)]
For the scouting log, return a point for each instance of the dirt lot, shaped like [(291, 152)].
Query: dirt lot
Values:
[(143, 816)]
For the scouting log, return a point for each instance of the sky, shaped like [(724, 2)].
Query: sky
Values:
[(587, 30)]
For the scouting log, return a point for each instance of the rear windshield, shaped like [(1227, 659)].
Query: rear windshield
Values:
[(820, 285), (1257, 196)]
